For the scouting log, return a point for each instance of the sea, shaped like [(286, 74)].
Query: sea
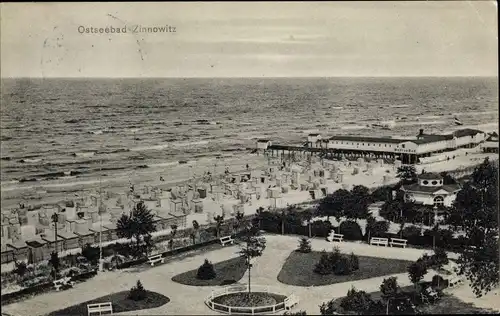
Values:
[(87, 130)]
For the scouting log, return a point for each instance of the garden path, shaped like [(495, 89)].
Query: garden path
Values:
[(189, 299)]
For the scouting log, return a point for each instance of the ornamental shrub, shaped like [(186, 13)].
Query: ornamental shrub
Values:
[(304, 245), (206, 271), (137, 293), (343, 266), (354, 262)]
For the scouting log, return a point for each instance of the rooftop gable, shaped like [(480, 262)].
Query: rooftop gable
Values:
[(466, 132)]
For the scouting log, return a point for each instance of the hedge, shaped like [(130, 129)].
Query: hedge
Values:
[(351, 230)]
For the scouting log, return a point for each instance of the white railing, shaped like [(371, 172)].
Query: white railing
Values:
[(236, 310)]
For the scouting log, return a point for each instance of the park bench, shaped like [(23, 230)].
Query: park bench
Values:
[(379, 241), (333, 236), (429, 292), (226, 240), (398, 242), (64, 282), (100, 308), (155, 259), (455, 281), (291, 301)]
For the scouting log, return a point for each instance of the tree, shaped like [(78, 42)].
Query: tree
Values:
[(304, 245), (376, 228), (329, 308), (91, 253), (173, 232), (196, 227), (20, 268), (239, 216), (219, 220), (259, 213), (354, 261), (253, 247), (283, 216), (137, 293), (389, 288), (333, 204), (407, 174), (55, 263), (356, 205), (357, 301), (324, 266), (447, 178), (440, 257), (416, 272), (477, 206), (137, 227)]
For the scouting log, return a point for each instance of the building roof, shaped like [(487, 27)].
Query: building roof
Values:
[(36, 243), (314, 134), (85, 233), (263, 140), (66, 235), (368, 139), (18, 244), (430, 176), (434, 137), (466, 132), (418, 188), (388, 140)]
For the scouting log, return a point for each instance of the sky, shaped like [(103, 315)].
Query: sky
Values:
[(274, 39)]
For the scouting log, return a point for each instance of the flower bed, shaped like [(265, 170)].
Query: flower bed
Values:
[(120, 301), (236, 300)]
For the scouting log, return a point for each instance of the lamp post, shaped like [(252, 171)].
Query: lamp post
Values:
[(55, 220), (436, 227)]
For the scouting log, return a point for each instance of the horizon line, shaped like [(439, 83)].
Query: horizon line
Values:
[(260, 77)]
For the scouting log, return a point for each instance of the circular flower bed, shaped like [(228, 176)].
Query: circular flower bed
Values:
[(237, 300), (246, 300)]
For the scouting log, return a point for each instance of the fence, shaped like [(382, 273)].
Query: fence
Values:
[(237, 310)]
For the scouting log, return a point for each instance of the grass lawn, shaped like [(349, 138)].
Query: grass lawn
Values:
[(120, 302), (448, 304), (298, 269), (228, 272)]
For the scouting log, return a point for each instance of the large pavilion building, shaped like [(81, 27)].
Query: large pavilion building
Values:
[(408, 150)]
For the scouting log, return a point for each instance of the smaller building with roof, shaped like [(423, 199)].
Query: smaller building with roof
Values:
[(431, 190)]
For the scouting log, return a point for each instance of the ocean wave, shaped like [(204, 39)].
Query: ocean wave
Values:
[(353, 127), (195, 143), (399, 106), (84, 154), (414, 123), (32, 160), (113, 151), (153, 147), (73, 121)]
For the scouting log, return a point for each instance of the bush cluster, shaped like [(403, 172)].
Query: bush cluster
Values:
[(351, 230), (336, 263), (206, 271)]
